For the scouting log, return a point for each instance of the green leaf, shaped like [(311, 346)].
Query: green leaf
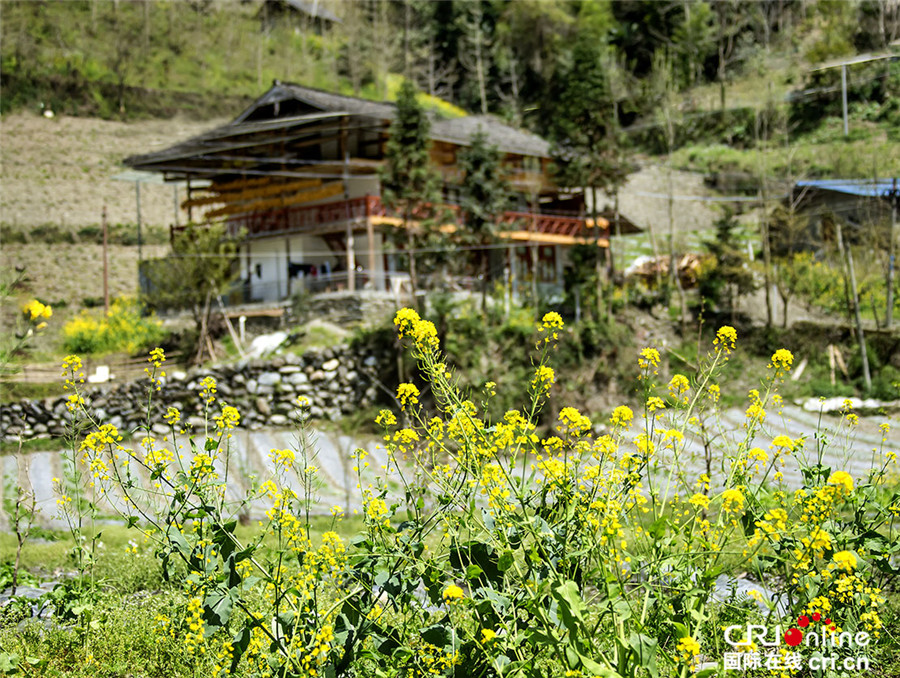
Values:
[(621, 609), (473, 571), (657, 528), (571, 606), (217, 609), (176, 539), (239, 644), (645, 649)]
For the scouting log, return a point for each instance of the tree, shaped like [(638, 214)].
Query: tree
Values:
[(581, 122), (408, 182), (484, 196), (200, 268), (731, 276)]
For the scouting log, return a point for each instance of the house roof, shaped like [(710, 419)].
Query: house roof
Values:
[(313, 9), (866, 188), (288, 110), (454, 130)]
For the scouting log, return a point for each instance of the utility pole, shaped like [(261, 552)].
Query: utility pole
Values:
[(894, 197), (844, 97), (105, 264)]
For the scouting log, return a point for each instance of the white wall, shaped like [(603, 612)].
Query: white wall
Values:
[(268, 268)]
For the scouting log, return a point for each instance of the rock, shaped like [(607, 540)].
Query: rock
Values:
[(331, 365), (297, 378), (263, 407), (269, 379), (278, 420), (252, 386), (318, 375), (370, 361), (160, 429)]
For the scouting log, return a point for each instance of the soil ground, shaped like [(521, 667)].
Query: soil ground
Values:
[(59, 171)]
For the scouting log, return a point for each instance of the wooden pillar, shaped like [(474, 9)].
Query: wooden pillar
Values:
[(377, 279), (351, 255), (190, 208), (287, 264)]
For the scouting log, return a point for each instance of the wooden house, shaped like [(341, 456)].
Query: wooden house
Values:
[(297, 174)]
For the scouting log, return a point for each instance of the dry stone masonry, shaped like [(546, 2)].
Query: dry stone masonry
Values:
[(336, 381)]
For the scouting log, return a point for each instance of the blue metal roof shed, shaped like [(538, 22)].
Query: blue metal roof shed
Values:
[(866, 188)]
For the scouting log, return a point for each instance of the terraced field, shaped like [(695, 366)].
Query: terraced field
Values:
[(855, 450)]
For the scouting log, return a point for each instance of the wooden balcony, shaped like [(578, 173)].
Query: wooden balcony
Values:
[(333, 217)]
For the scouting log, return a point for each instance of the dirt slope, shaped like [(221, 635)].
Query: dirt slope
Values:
[(60, 170)]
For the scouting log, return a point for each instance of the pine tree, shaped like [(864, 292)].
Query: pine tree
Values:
[(408, 182), (484, 197), (581, 121), (731, 276)]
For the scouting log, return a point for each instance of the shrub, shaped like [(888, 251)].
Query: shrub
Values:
[(124, 328)]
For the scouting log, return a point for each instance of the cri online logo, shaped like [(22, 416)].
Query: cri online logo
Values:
[(794, 636)]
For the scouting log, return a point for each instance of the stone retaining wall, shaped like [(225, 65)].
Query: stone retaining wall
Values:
[(336, 381)]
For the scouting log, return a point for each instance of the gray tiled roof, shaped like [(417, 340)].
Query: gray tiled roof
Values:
[(327, 104)]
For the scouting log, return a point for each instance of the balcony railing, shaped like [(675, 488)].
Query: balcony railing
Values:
[(334, 216)]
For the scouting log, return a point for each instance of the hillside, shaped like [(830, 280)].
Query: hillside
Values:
[(59, 171)]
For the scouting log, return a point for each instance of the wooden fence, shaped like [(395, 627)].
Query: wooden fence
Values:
[(121, 368)]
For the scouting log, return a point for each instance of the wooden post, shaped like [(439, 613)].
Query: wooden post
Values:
[(860, 335), (351, 255), (137, 196), (370, 239), (105, 264)]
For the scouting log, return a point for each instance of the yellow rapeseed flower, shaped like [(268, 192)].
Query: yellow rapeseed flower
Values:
[(407, 393), (841, 479), (699, 500), (551, 321), (574, 420), (782, 360), (845, 560), (487, 635), (385, 418), (726, 339), (622, 416), (732, 500), (35, 310), (452, 593), (648, 358), (544, 378), (688, 649)]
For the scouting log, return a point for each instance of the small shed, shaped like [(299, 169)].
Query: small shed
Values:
[(297, 12), (862, 206)]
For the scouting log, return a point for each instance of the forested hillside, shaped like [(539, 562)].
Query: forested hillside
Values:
[(647, 75)]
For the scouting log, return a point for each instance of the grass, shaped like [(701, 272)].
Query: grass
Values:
[(825, 153), (12, 391)]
